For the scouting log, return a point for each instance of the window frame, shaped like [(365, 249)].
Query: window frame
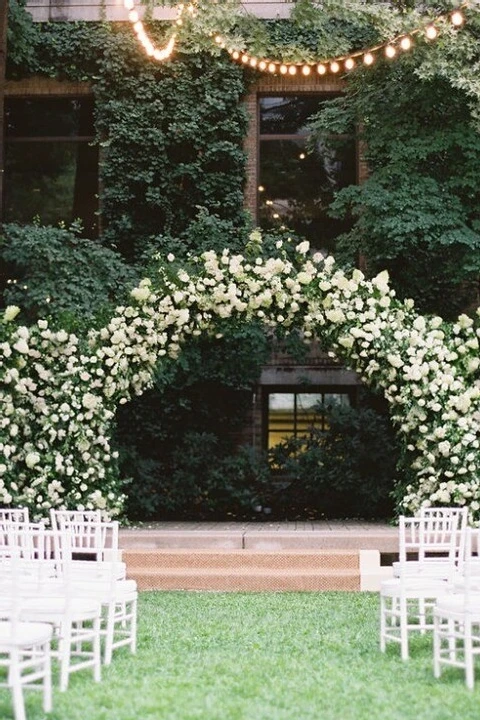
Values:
[(322, 389), (44, 89)]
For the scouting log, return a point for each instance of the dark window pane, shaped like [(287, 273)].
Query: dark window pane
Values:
[(49, 117), (53, 182), (288, 115), (297, 187)]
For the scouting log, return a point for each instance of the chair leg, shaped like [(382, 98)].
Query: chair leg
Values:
[(403, 628), (65, 649), (133, 627), (109, 634), (468, 655), (437, 642), (97, 650), (47, 679), (15, 683)]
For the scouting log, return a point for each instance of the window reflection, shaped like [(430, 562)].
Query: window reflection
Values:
[(51, 166), (297, 184)]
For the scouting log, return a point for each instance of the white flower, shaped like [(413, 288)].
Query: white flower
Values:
[(140, 294), (21, 346), (10, 313), (32, 459), (303, 247), (90, 401), (381, 282)]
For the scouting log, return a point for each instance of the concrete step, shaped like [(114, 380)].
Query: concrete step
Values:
[(386, 541), (240, 559), (243, 570), (248, 580)]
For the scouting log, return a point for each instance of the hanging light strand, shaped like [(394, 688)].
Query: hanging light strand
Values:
[(390, 49), (163, 53)]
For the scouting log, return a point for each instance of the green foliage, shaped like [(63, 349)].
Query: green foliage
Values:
[(51, 272), (417, 214), (203, 478), (347, 471), (206, 392), (22, 36), (173, 137)]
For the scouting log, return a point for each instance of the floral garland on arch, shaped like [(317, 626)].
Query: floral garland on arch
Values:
[(59, 392)]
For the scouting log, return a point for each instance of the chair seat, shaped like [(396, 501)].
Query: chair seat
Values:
[(414, 586), (457, 604), (56, 608), (25, 634), (440, 568), (123, 590)]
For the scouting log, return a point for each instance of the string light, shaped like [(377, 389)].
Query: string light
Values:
[(367, 57), (148, 45), (333, 65)]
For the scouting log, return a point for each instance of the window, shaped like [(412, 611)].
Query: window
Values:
[(292, 414), (297, 185), (51, 167)]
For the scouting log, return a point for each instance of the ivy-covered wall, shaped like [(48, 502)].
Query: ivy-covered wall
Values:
[(172, 180)]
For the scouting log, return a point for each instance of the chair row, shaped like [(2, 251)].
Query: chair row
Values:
[(436, 587), (65, 584)]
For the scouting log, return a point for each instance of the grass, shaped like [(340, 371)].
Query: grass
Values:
[(261, 656)]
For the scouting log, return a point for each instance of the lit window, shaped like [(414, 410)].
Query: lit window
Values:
[(294, 414)]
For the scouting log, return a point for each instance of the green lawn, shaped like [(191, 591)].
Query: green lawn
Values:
[(262, 656)]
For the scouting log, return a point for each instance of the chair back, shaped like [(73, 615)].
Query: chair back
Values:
[(443, 525)]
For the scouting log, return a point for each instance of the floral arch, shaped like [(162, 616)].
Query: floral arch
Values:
[(59, 392)]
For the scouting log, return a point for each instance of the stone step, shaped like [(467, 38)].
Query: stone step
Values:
[(385, 541), (162, 560), (248, 580), (243, 570)]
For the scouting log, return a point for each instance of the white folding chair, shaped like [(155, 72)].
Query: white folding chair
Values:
[(406, 601), (25, 650), (456, 633), (441, 526), (94, 542), (47, 596), (108, 585)]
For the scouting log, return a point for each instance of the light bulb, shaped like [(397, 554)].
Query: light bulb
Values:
[(292, 70), (306, 70), (406, 43), (457, 18), (245, 59), (253, 62), (390, 51), (431, 32), (368, 58), (235, 54), (349, 64), (283, 69), (272, 67), (262, 65), (321, 69), (334, 66)]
